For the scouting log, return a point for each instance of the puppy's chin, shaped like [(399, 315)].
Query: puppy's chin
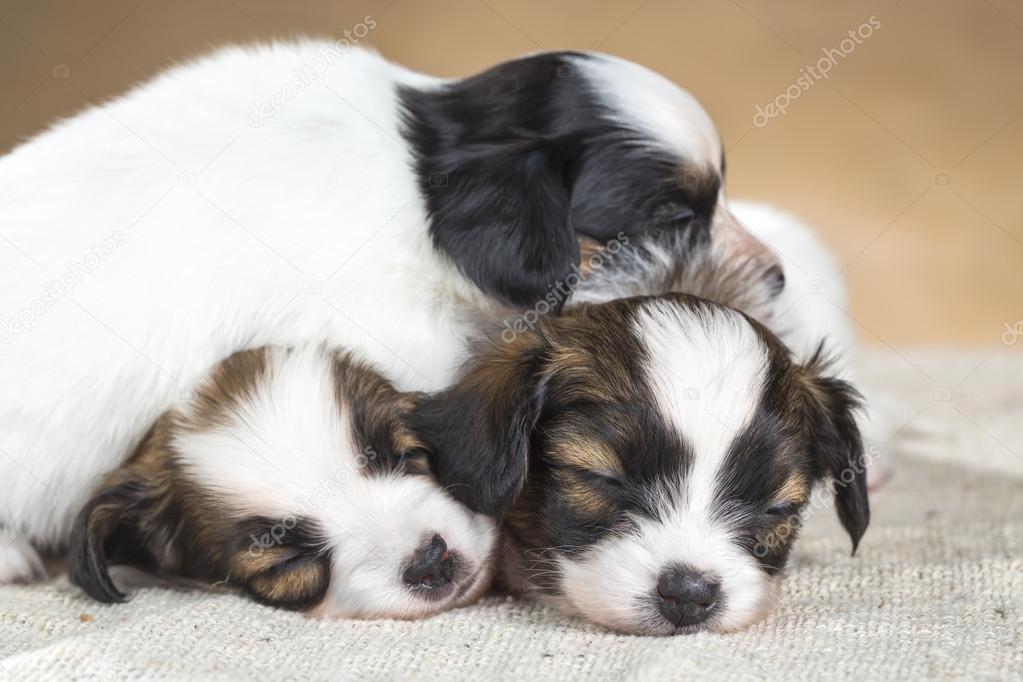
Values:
[(643, 619), (574, 588), (406, 605)]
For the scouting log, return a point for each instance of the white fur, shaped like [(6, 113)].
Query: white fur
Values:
[(287, 452), (707, 371), (317, 197), (706, 387), (189, 230), (209, 235), (671, 116), (19, 561)]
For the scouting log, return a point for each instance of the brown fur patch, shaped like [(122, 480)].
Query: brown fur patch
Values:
[(794, 490), (378, 409), (585, 453), (585, 499), (152, 508), (231, 381), (588, 248), (303, 584)]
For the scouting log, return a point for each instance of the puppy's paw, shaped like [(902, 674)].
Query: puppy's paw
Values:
[(19, 561)]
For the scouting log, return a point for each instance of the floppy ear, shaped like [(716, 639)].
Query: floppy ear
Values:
[(134, 519), (492, 155), (500, 212), (111, 519), (835, 444), (480, 429)]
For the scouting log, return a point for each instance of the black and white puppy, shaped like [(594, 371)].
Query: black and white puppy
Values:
[(293, 194), (652, 456), (293, 475)]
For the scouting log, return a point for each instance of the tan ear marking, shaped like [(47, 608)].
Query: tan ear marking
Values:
[(794, 490), (588, 248), (299, 584)]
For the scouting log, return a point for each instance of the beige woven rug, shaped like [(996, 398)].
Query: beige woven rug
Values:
[(935, 592)]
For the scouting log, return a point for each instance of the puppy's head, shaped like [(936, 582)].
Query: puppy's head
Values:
[(653, 456), (527, 166), (294, 476)]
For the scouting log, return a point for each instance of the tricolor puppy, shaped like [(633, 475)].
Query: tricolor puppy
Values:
[(294, 476), (236, 202), (652, 456)]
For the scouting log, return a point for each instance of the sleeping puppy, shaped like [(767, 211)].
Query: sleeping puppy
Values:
[(292, 475), (652, 456), (370, 208)]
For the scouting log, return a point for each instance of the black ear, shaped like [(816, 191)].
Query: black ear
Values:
[(501, 215), (480, 429), (492, 162), (109, 520), (836, 445)]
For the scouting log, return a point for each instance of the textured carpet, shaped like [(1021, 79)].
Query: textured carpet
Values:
[(936, 590)]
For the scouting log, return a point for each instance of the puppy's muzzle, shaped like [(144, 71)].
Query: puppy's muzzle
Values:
[(431, 567), (687, 597), (740, 245)]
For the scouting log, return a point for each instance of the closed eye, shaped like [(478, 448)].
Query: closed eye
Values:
[(781, 511), (594, 477), (773, 516), (416, 462), (673, 214), (601, 478)]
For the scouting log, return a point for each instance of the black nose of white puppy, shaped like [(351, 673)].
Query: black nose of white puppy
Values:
[(686, 596), (431, 566)]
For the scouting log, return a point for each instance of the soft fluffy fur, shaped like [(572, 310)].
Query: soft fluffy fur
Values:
[(377, 209), (653, 455), (293, 475)]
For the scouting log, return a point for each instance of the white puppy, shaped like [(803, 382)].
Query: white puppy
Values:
[(220, 207)]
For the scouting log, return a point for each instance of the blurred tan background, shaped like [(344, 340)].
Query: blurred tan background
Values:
[(908, 157)]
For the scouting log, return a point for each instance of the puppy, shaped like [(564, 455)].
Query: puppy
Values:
[(651, 456), (376, 209), (294, 476)]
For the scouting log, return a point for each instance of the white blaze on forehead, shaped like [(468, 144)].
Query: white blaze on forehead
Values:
[(285, 440), (649, 101), (288, 451), (706, 367)]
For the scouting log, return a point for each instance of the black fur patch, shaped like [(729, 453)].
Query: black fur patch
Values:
[(517, 162)]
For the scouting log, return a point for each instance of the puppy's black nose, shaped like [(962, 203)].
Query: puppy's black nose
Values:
[(686, 597), (431, 565)]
